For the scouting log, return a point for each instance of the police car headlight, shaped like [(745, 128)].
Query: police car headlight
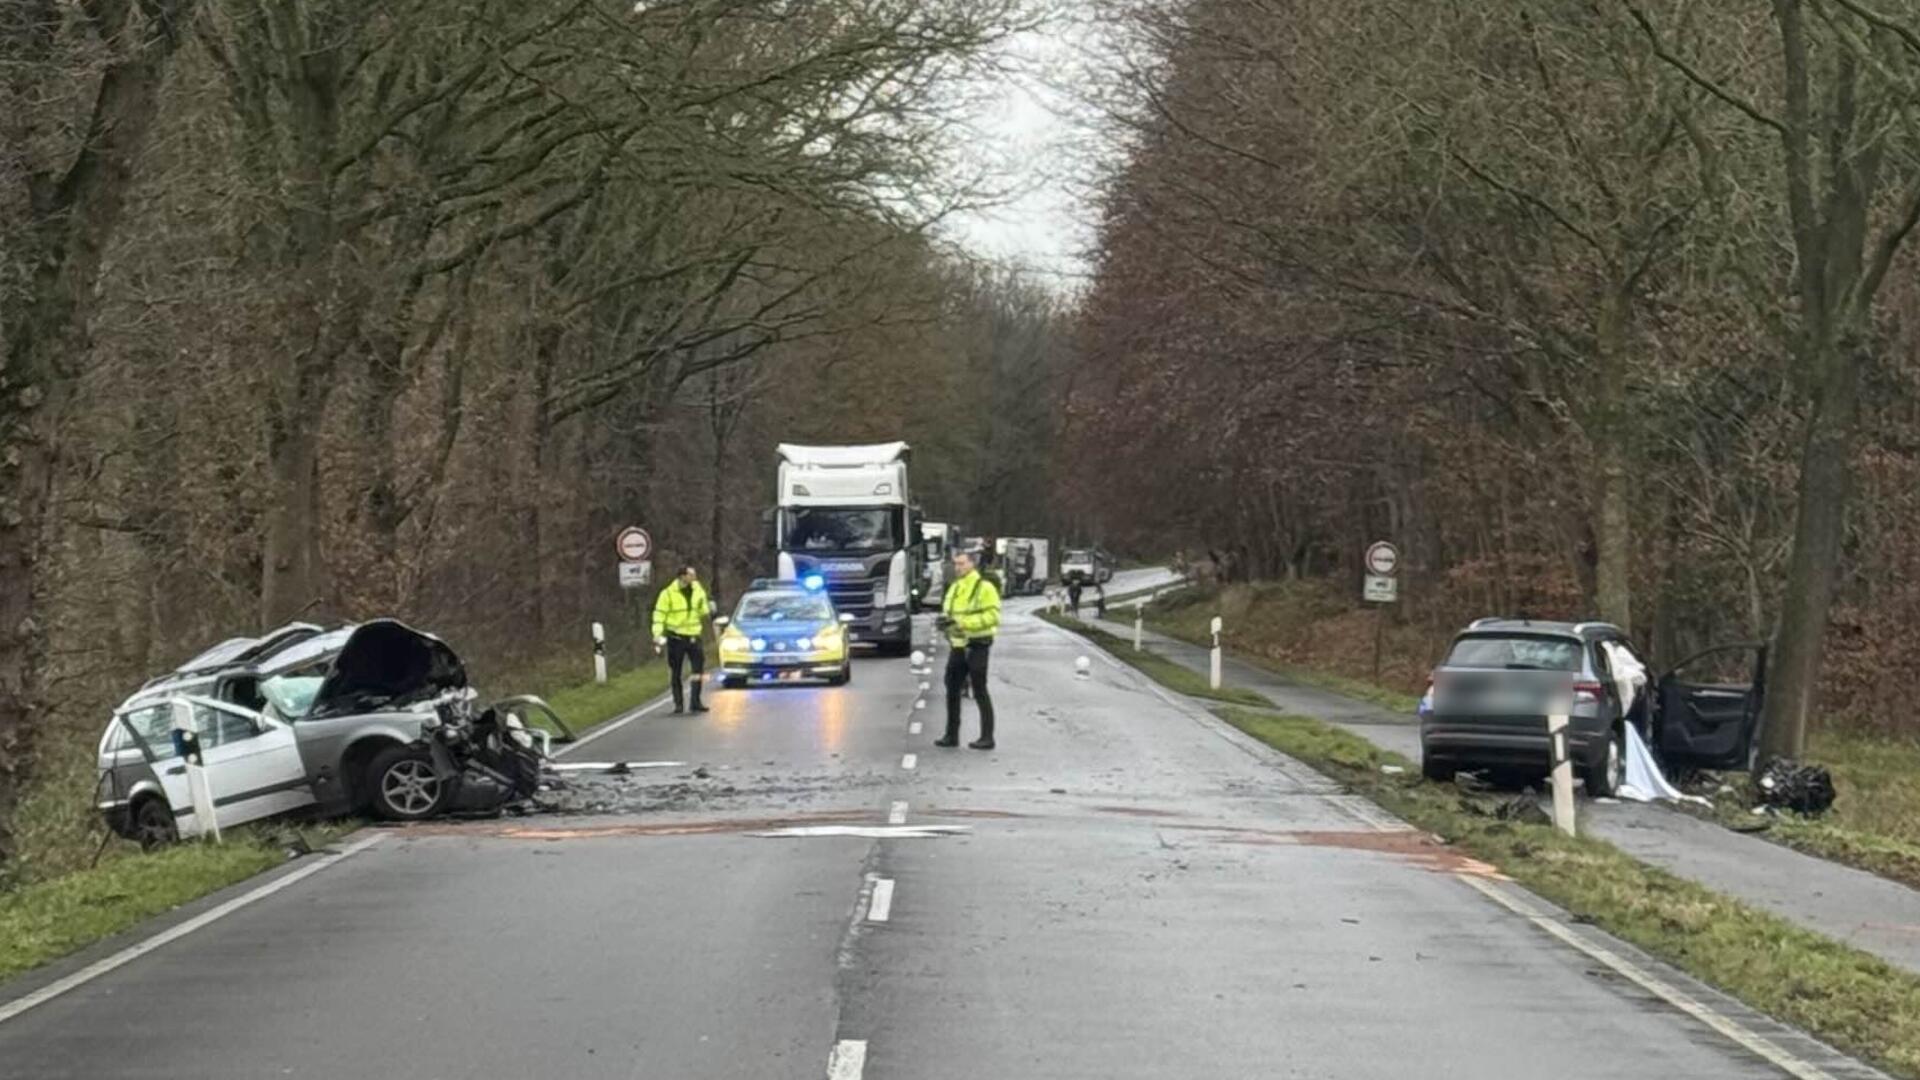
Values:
[(759, 644), (803, 644)]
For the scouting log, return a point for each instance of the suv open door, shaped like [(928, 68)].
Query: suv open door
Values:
[(1709, 706)]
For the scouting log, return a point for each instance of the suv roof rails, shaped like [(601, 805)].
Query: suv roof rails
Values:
[(1478, 623)]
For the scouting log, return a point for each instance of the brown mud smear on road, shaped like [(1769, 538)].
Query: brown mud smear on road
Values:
[(1422, 849), (515, 830)]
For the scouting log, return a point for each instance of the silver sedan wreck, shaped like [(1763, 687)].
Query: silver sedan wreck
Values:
[(373, 718)]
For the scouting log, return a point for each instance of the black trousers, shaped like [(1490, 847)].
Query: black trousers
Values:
[(679, 651), (966, 667)]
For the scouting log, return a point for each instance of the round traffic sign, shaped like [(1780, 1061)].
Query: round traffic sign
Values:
[(634, 545), (1383, 559)]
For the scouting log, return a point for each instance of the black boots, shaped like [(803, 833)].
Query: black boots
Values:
[(982, 743), (950, 740)]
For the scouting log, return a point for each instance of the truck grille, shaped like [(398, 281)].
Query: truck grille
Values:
[(852, 597)]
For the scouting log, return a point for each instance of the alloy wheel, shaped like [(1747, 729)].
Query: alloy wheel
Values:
[(410, 787)]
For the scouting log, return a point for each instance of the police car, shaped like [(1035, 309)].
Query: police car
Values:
[(784, 630)]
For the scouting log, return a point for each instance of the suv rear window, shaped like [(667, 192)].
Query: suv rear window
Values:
[(1518, 652)]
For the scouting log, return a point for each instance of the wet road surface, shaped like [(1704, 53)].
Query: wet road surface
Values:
[(1139, 892)]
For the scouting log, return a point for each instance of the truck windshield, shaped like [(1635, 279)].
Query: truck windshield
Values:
[(825, 529)]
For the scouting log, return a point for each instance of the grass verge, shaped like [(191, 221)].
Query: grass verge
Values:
[(585, 706), (1158, 668), (46, 920), (1188, 623), (1849, 998)]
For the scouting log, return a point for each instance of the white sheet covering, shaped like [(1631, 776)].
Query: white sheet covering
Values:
[(1644, 780)]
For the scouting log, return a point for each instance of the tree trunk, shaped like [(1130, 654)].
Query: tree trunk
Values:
[(287, 579), (1793, 676), (76, 209)]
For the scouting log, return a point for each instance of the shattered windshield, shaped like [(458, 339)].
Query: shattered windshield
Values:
[(823, 529), (292, 695)]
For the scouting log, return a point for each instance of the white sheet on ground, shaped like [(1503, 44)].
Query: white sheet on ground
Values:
[(1644, 781)]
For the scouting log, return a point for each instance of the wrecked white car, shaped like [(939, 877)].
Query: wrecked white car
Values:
[(372, 718)]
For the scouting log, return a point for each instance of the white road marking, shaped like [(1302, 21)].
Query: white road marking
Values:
[(141, 948), (898, 814), (612, 726), (909, 761), (1751, 1040), (913, 728), (882, 906), (848, 1060), (866, 832), (610, 766)]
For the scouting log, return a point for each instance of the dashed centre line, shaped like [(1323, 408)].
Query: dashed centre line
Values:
[(909, 761), (881, 907), (897, 815), (913, 728), (848, 1060)]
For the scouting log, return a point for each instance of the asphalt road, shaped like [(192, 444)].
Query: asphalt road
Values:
[(1140, 892)]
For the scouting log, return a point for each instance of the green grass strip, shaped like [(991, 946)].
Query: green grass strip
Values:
[(47, 920)]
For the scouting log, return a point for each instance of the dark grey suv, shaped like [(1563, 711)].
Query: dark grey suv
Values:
[(1487, 706)]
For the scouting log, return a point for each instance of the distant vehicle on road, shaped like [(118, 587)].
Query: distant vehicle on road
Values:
[(845, 521), (1089, 566), (784, 631), (1486, 706), (375, 717), (1025, 564)]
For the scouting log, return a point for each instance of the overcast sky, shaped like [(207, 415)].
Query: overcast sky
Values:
[(1026, 134)]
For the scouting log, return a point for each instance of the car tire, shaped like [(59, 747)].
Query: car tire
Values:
[(1438, 770), (150, 823), (728, 682), (842, 679), (1607, 771), (402, 785)]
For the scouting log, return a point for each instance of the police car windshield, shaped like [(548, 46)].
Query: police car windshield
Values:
[(784, 606)]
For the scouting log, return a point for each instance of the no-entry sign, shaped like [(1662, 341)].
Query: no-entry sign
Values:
[(634, 545), (1383, 559)]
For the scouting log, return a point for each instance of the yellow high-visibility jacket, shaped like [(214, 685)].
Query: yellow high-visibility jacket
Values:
[(679, 614), (973, 603)]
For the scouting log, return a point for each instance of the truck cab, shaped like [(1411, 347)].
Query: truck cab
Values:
[(845, 523)]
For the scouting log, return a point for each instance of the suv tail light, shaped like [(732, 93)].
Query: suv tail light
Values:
[(1586, 693)]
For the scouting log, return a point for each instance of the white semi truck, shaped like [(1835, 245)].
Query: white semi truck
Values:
[(845, 523), (936, 547)]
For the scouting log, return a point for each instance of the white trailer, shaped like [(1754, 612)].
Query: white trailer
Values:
[(844, 523)]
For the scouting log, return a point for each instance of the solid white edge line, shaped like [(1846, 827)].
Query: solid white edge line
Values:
[(848, 1060), (881, 908), (909, 761), (1646, 980), (897, 815), (612, 726), (174, 933)]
